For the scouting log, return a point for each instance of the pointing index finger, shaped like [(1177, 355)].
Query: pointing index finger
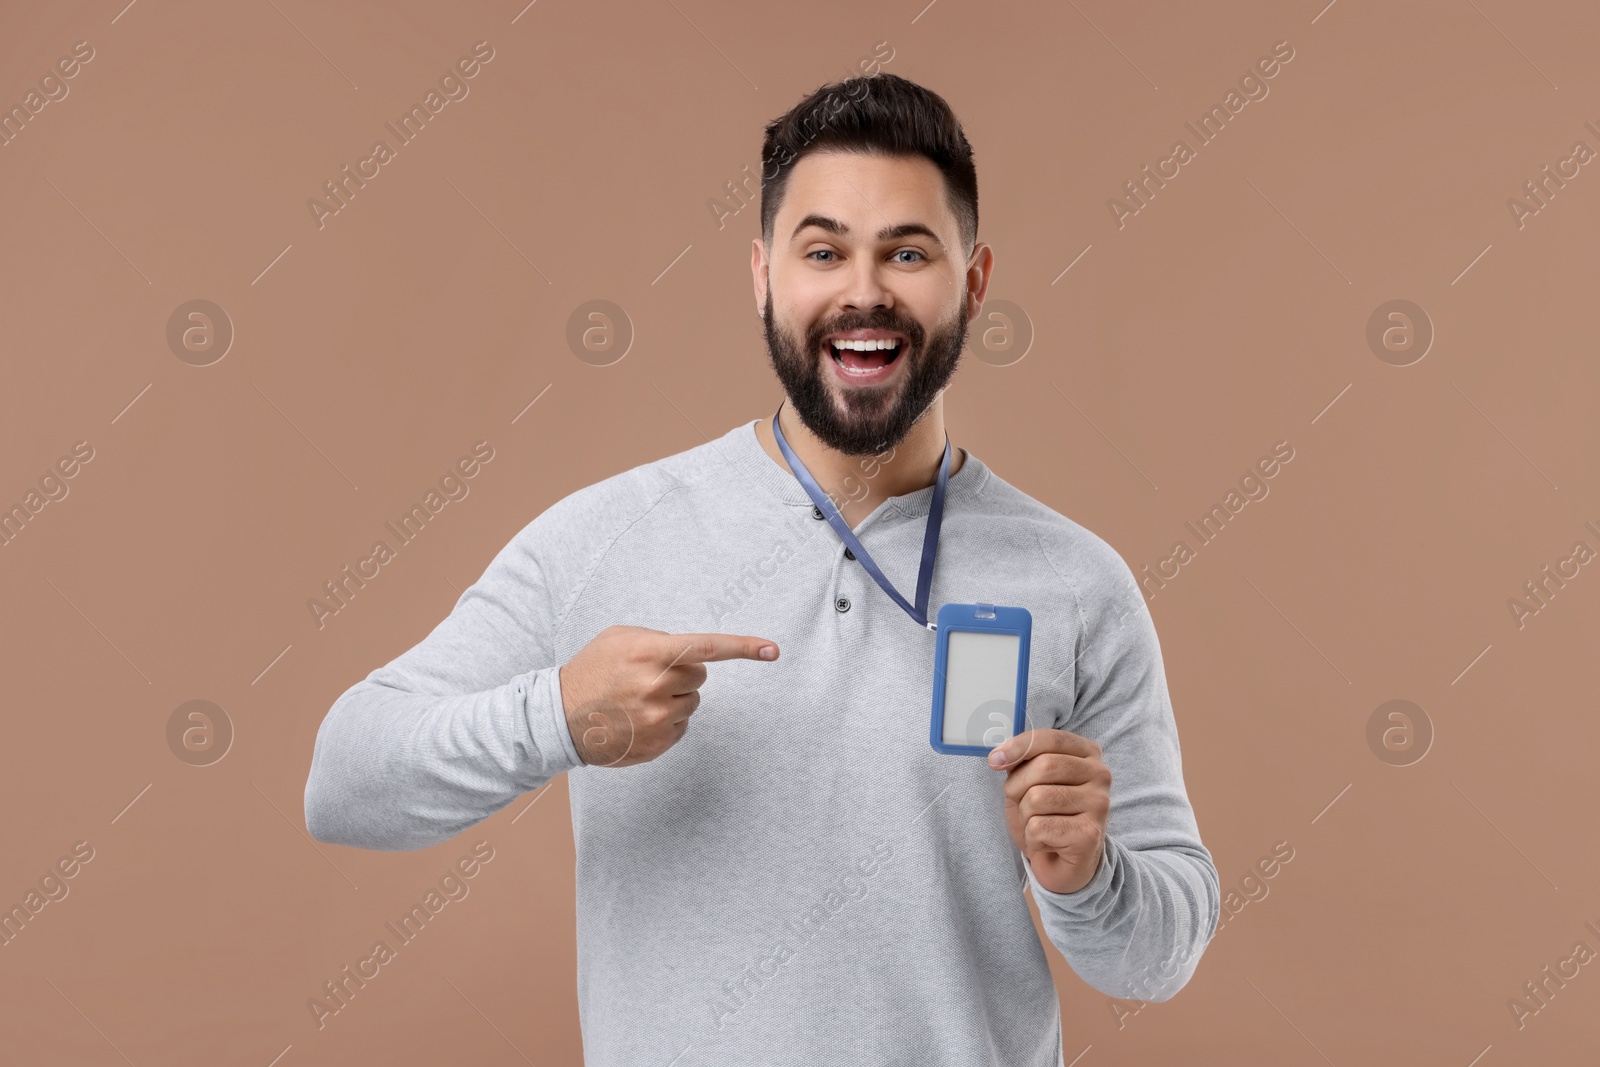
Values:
[(705, 648)]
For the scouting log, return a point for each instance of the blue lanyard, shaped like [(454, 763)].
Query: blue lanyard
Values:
[(930, 539)]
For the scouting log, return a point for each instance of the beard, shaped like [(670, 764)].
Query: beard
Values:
[(874, 418)]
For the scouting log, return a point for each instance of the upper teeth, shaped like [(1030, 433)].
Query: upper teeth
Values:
[(866, 346)]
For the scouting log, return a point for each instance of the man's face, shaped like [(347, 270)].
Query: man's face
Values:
[(865, 248)]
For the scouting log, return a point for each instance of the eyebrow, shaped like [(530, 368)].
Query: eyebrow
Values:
[(888, 233)]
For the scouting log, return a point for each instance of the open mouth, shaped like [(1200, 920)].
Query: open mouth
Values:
[(865, 358)]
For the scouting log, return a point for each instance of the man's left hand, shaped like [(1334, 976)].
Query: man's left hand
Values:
[(1058, 794)]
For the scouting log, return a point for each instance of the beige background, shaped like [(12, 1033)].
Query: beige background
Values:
[(1229, 314)]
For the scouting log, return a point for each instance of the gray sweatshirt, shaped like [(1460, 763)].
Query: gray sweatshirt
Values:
[(801, 879)]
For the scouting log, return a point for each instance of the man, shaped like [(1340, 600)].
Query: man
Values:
[(774, 865)]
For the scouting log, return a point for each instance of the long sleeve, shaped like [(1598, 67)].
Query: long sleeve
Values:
[(466, 721), (1139, 927)]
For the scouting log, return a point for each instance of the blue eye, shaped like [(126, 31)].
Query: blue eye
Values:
[(819, 252), (912, 251)]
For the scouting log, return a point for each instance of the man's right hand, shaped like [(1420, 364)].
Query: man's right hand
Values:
[(628, 693)]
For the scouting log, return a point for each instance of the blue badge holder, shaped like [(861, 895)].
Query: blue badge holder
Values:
[(1004, 710)]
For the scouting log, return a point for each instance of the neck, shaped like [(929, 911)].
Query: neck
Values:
[(860, 483)]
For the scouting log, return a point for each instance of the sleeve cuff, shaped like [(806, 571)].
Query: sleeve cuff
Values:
[(1095, 898), (545, 712)]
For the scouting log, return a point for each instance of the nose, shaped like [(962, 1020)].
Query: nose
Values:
[(863, 286)]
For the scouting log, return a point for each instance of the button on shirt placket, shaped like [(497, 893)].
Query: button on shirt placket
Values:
[(841, 603)]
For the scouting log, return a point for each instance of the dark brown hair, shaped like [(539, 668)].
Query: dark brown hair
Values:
[(878, 114)]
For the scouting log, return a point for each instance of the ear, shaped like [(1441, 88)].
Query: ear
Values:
[(758, 274), (980, 268)]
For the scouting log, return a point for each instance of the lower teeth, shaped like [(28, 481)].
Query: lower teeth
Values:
[(838, 358)]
